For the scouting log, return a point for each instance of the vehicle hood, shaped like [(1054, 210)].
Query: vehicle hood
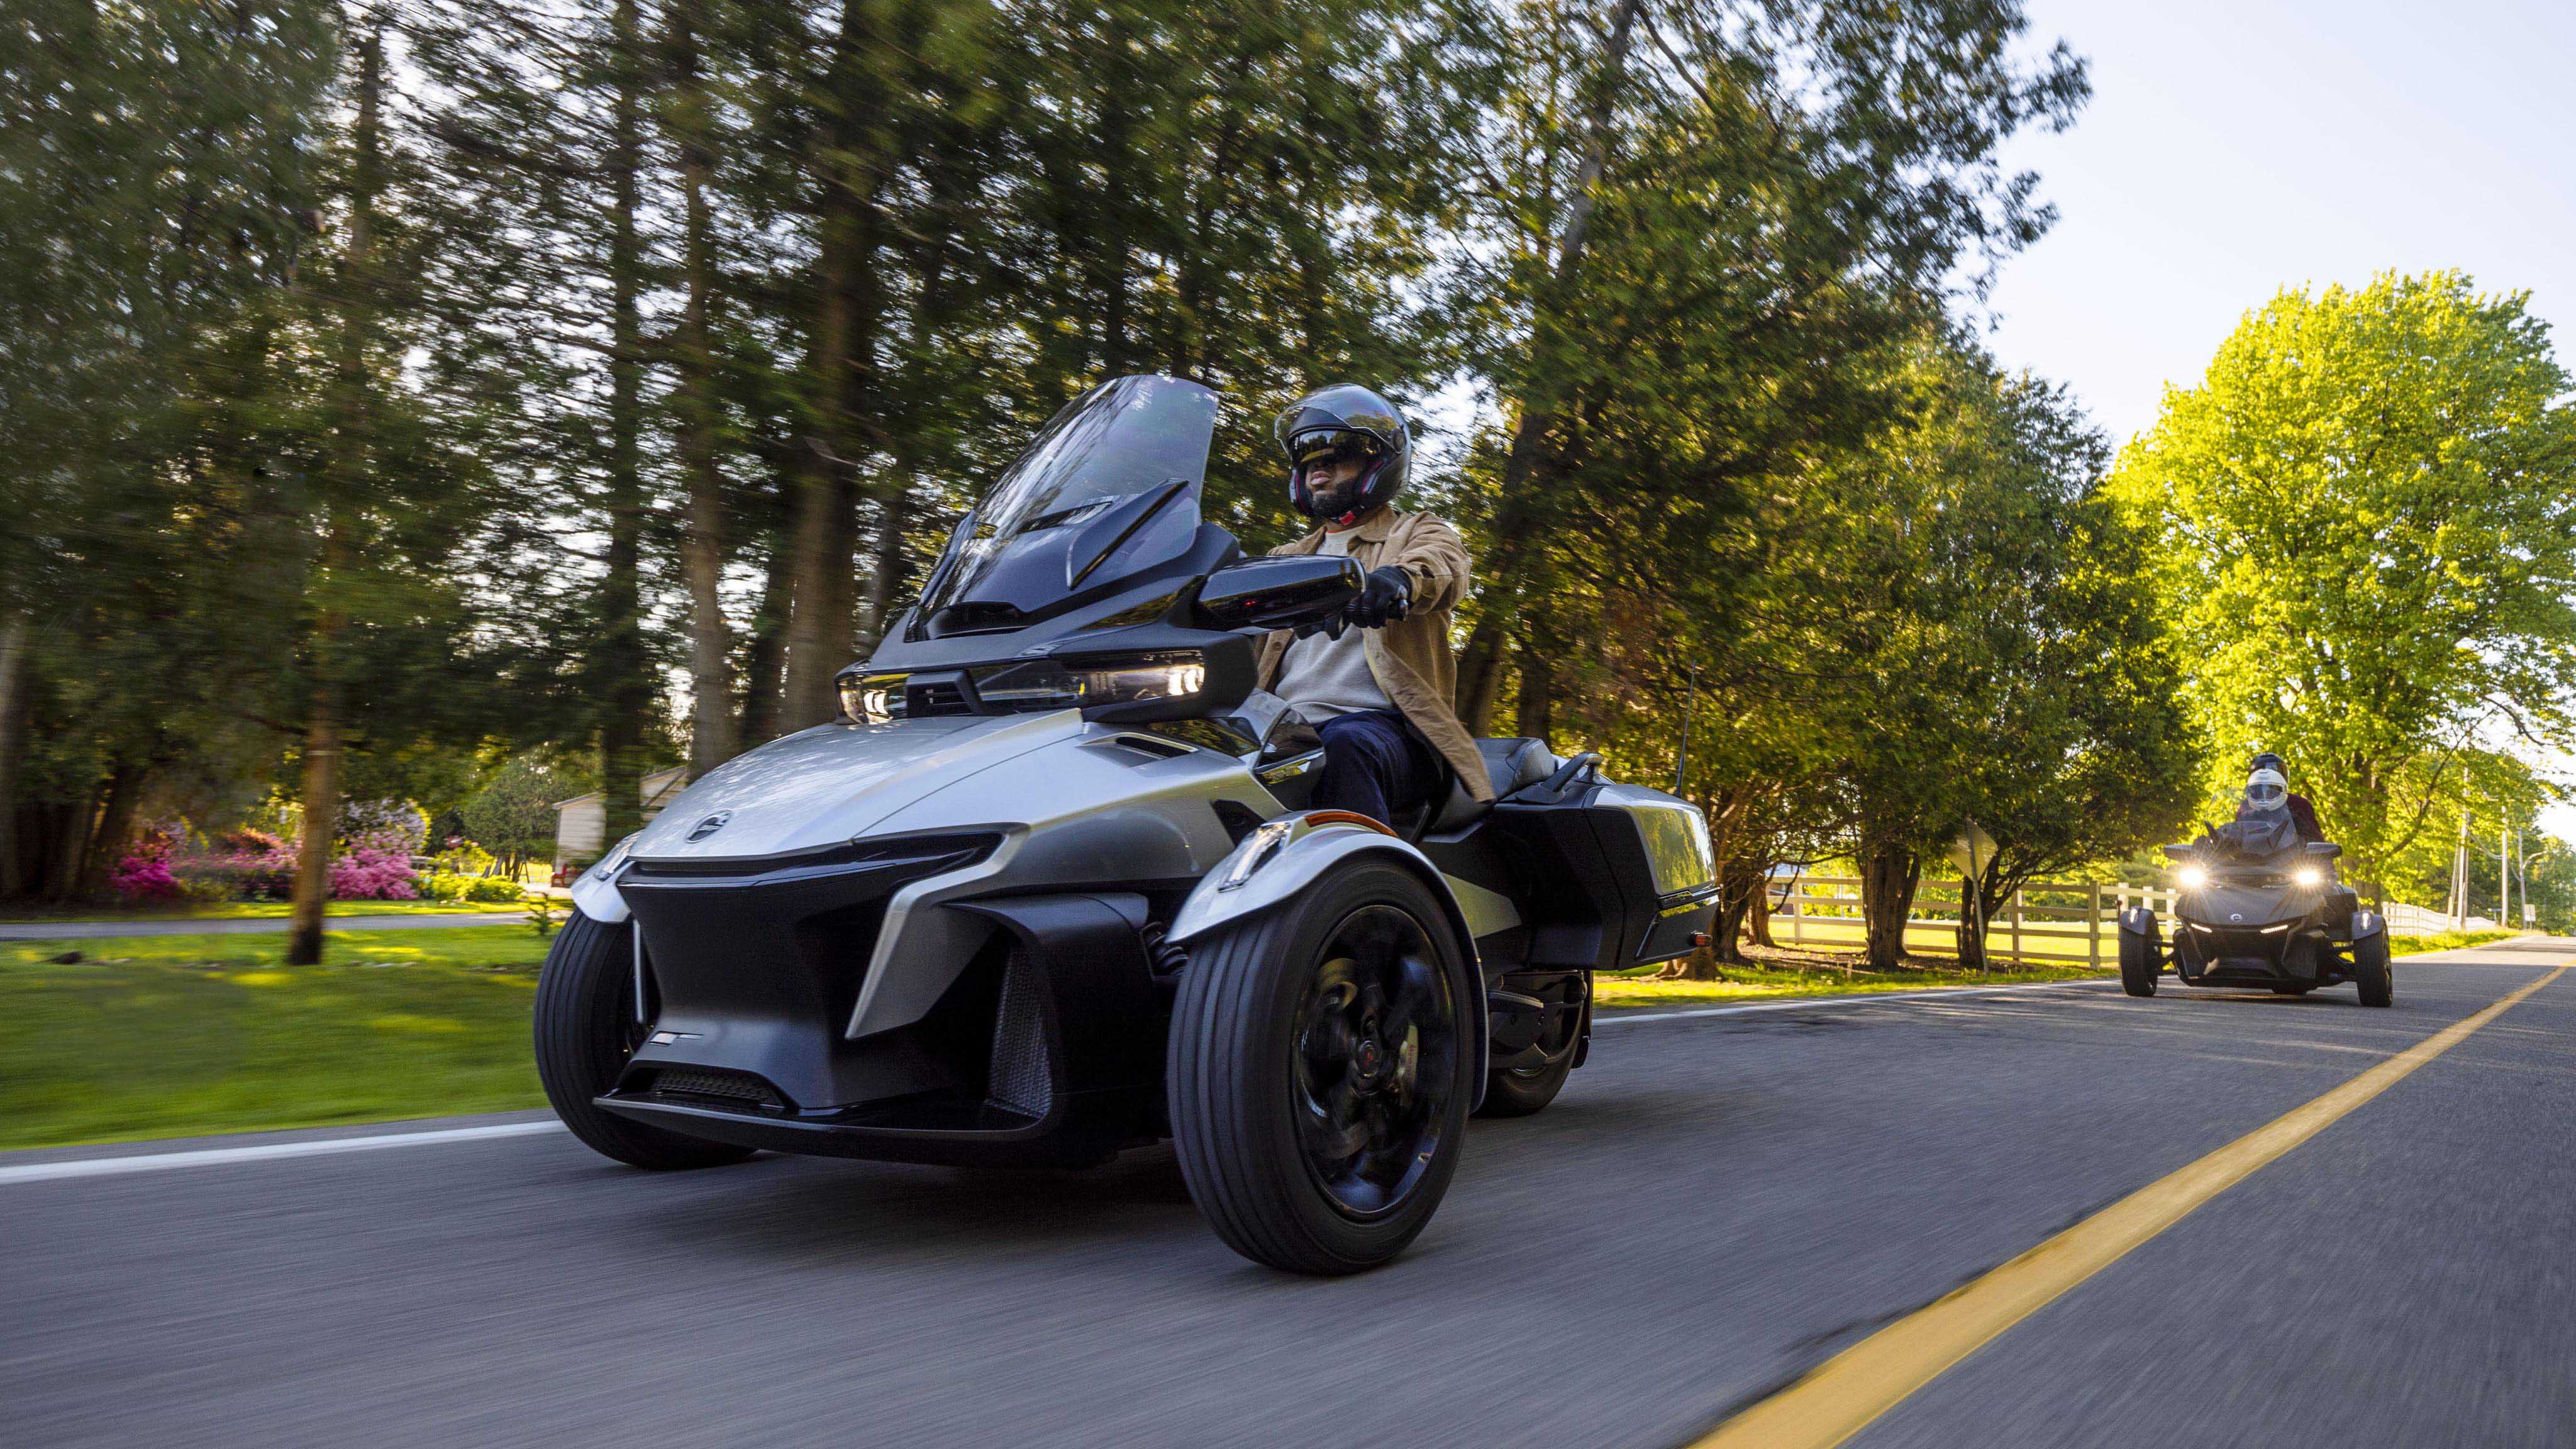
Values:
[(834, 782), (2242, 905)]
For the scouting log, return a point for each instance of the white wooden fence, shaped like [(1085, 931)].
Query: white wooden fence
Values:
[(2045, 922)]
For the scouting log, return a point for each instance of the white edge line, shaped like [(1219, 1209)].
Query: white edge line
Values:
[(217, 1156), (1855, 998)]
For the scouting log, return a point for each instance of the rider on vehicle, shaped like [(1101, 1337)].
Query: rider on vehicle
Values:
[(2267, 788), (1378, 693)]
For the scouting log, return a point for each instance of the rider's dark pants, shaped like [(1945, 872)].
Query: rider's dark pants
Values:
[(1377, 765)]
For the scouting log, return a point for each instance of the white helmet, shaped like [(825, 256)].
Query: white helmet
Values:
[(2266, 790)]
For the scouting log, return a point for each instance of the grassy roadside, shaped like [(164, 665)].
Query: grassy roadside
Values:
[(163, 1036), (263, 910)]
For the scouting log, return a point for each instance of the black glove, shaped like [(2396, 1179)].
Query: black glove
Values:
[(1388, 597)]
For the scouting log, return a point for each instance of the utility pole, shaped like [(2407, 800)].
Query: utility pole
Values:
[(2459, 902), (2504, 879)]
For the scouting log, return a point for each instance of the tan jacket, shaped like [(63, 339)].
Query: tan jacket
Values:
[(1410, 658)]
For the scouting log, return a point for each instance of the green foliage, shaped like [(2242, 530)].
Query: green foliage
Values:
[(2366, 519), (513, 814), (446, 886)]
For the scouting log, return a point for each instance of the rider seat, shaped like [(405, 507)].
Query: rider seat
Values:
[(1512, 764)]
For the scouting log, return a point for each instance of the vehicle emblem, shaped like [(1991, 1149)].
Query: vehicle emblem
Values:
[(2232, 918), (710, 825)]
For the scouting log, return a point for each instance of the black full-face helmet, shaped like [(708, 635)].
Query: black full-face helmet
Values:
[(1345, 422)]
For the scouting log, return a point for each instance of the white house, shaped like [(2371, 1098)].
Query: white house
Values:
[(582, 821)]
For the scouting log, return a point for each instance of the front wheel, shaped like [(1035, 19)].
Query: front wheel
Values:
[(1319, 1073), (2371, 973), (586, 1029), (2138, 964)]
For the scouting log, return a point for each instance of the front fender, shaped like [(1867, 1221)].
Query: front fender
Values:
[(1278, 860), (2138, 921), (595, 892), (2368, 923)]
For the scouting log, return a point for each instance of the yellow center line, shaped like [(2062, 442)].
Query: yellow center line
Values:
[(1842, 1395)]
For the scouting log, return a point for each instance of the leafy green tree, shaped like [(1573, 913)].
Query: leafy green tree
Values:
[(513, 814), (2366, 517)]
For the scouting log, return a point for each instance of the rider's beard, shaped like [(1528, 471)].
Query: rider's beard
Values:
[(1332, 500)]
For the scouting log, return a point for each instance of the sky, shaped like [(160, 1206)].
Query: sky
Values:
[(2234, 149)]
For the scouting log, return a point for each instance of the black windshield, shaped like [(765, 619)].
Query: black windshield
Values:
[(1110, 487)]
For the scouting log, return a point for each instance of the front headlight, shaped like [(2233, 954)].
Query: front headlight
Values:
[(873, 699), (2308, 875), (2192, 877), (1053, 684)]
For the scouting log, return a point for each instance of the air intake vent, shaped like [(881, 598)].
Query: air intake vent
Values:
[(739, 1089), (1021, 1078), (935, 699)]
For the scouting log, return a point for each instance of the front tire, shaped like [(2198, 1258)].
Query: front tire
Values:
[(1319, 1072), (2371, 973), (586, 1029), (2138, 964)]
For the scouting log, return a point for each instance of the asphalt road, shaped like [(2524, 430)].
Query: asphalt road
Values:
[(239, 926), (1717, 1204)]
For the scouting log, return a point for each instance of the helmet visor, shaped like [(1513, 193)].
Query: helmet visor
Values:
[(1317, 446)]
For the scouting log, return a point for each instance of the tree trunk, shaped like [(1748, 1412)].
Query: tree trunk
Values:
[(66, 846), (1889, 873), (1480, 663), (625, 689), (1538, 680), (702, 549), (321, 795), (115, 823), (1760, 918), (16, 686), (344, 476), (1972, 924), (821, 632), (765, 659)]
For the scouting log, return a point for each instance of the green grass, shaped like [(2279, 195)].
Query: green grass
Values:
[(2444, 941), (159, 1036), (1755, 982), (265, 910)]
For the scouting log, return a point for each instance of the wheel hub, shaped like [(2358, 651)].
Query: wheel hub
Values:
[(1373, 1061)]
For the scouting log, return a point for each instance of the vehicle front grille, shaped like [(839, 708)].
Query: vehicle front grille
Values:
[(731, 1088), (935, 699)]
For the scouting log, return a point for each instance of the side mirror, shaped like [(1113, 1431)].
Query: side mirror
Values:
[(2178, 852), (2324, 850), (1279, 593)]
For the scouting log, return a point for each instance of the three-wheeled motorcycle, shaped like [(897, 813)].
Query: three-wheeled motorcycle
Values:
[(1050, 888), (2256, 906)]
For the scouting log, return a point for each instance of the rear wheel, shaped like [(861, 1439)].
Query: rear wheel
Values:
[(1319, 1074), (2370, 970), (1526, 1091), (2138, 964), (586, 1029)]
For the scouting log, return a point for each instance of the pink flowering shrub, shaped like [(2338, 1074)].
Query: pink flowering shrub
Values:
[(373, 875), (146, 877), (372, 861)]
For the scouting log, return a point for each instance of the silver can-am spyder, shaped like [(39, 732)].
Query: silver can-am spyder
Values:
[(1050, 889)]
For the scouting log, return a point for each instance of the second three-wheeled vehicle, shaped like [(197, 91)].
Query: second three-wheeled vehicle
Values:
[(1050, 889), (2256, 906)]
